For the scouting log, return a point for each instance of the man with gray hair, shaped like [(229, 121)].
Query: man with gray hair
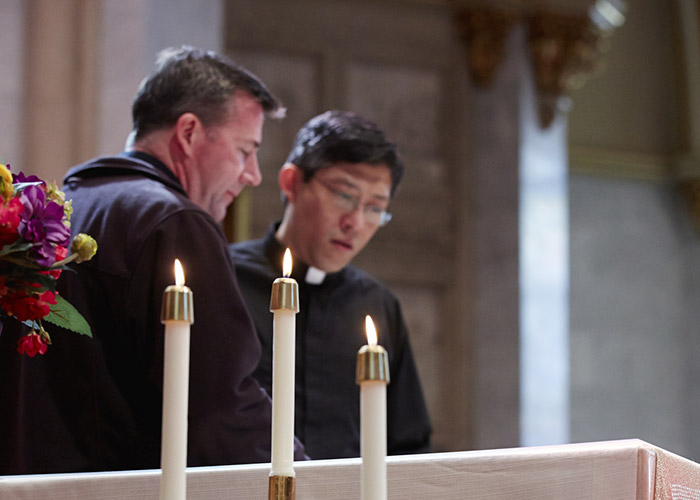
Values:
[(95, 404)]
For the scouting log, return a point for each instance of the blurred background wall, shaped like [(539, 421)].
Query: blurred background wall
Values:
[(544, 244)]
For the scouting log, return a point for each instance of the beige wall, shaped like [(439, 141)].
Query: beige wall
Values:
[(634, 250), (630, 105)]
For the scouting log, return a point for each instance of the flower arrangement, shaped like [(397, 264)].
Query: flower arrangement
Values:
[(34, 239)]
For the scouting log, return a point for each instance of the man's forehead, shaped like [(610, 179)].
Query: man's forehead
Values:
[(242, 106)]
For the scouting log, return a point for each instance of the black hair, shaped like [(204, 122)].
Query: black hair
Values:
[(343, 137)]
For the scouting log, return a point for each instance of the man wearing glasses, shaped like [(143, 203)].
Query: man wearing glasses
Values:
[(336, 184)]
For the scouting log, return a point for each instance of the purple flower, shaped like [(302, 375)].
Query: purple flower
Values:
[(41, 223), (20, 178)]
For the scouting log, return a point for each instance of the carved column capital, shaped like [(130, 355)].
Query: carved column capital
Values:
[(484, 33), (566, 46), (566, 51)]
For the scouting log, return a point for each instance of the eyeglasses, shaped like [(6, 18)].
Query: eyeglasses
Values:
[(349, 203)]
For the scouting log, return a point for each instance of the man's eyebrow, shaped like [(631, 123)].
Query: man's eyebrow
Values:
[(256, 144), (345, 182), (381, 197)]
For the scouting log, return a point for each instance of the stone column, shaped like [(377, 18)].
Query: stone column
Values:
[(59, 85), (523, 61), (12, 43)]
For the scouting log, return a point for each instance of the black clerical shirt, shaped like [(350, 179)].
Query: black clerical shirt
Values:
[(330, 330)]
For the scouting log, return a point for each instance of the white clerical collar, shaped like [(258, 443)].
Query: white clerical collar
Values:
[(314, 276)]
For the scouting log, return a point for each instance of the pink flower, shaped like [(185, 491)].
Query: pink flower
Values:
[(31, 345)]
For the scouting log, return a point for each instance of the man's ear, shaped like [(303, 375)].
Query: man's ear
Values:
[(290, 178), (186, 129)]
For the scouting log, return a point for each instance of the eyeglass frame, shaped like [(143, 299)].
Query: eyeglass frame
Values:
[(349, 203)]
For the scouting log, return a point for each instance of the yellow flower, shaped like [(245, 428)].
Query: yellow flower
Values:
[(85, 246), (68, 209), (6, 189), (53, 193)]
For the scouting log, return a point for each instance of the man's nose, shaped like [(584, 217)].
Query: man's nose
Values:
[(251, 171), (353, 219)]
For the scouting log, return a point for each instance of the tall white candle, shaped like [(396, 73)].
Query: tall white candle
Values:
[(177, 314), (284, 304), (373, 377)]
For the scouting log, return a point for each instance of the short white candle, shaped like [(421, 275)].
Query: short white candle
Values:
[(373, 376), (177, 315), (284, 305)]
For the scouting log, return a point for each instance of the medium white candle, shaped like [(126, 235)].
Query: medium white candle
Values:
[(177, 314), (284, 304), (373, 376)]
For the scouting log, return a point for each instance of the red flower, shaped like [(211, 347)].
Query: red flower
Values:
[(25, 306), (31, 345), (61, 253), (9, 221)]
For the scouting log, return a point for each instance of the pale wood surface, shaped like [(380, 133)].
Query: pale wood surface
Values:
[(622, 470)]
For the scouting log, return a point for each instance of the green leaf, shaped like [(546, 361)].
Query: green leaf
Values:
[(66, 316), (15, 247)]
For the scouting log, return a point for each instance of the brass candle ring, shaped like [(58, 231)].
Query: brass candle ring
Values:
[(281, 488), (372, 364), (285, 295), (178, 304)]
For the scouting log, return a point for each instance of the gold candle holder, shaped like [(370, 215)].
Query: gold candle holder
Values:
[(178, 304), (285, 295), (281, 488), (372, 364)]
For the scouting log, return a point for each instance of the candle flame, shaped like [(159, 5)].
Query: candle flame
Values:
[(371, 331), (179, 273), (287, 264)]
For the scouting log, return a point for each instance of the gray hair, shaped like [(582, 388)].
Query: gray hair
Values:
[(187, 79)]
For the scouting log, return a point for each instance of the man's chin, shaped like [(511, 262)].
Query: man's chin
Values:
[(219, 213), (333, 266), (222, 207)]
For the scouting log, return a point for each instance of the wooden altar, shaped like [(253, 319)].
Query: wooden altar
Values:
[(611, 470)]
